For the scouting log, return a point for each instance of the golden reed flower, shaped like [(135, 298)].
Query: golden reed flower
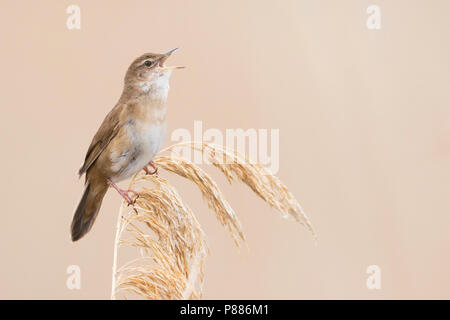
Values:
[(172, 245)]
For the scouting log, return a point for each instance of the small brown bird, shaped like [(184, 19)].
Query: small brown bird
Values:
[(128, 139)]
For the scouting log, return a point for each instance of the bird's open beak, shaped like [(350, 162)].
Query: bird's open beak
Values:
[(168, 53), (165, 57)]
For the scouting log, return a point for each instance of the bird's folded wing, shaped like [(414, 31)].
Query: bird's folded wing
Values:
[(107, 131)]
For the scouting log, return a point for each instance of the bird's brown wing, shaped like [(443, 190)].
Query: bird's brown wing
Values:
[(107, 131)]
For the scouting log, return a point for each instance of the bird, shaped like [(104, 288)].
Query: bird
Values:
[(129, 137)]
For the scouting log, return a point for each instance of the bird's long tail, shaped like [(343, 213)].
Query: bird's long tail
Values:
[(87, 209)]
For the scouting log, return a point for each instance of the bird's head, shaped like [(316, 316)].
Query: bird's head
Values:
[(148, 70)]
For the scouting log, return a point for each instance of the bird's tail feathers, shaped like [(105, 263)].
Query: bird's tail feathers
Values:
[(87, 209)]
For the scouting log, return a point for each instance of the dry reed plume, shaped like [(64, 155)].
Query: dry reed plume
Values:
[(171, 243)]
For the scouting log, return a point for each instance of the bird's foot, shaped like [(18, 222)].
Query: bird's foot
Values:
[(125, 193), (151, 172)]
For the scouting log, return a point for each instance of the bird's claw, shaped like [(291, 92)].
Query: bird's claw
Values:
[(155, 169), (128, 198), (125, 193), (133, 201)]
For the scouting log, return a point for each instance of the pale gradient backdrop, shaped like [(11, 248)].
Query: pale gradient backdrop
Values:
[(364, 119)]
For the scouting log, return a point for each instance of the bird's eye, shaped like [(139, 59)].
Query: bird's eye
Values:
[(148, 63)]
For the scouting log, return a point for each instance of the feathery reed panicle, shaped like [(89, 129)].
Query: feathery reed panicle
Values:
[(171, 243), (266, 185), (209, 189)]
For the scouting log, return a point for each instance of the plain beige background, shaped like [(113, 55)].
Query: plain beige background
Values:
[(364, 123)]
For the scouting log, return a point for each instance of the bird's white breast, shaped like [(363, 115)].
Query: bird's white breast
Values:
[(146, 136), (145, 142), (152, 139)]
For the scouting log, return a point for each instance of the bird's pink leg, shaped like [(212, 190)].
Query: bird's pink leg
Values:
[(124, 193), (153, 165)]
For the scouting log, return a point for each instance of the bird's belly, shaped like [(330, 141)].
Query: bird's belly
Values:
[(145, 142)]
